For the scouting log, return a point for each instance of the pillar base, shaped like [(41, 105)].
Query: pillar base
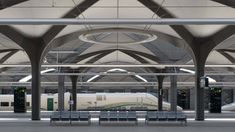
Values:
[(198, 119), (35, 119)]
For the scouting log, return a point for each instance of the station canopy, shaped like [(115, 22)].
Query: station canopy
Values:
[(117, 44)]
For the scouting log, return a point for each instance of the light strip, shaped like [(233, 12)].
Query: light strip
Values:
[(187, 70), (29, 77), (92, 78), (211, 80), (116, 69), (141, 78)]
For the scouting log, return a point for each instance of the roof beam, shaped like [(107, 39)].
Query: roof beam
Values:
[(96, 58), (75, 12), (8, 3), (84, 56), (140, 59), (228, 50), (220, 36), (7, 50), (15, 35), (163, 13), (229, 57), (149, 56), (7, 56), (230, 3)]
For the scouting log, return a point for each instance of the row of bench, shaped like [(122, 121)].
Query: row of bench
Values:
[(70, 116), (153, 116), (119, 116)]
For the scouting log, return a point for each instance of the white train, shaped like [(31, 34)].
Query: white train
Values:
[(229, 107), (93, 101)]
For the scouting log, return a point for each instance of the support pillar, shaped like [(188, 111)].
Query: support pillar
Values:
[(61, 91), (160, 92), (173, 93), (199, 92), (74, 91), (192, 98), (36, 91)]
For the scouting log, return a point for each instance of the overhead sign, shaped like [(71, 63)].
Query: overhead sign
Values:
[(71, 102), (204, 82)]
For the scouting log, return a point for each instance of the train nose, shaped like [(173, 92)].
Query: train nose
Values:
[(225, 107), (228, 107), (179, 108)]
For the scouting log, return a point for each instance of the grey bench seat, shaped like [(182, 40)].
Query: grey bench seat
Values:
[(117, 116), (171, 116), (154, 116), (65, 116), (75, 116), (151, 116), (70, 116), (122, 116), (161, 116), (84, 116), (55, 117), (113, 116), (104, 116)]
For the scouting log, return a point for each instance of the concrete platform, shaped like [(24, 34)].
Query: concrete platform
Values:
[(9, 121), (43, 126)]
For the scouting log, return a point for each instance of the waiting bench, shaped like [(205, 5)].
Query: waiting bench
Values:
[(154, 116), (117, 116), (70, 116)]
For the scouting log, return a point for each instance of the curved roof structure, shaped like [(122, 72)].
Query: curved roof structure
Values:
[(117, 44)]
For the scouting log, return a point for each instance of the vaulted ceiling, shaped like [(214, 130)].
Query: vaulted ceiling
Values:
[(169, 47)]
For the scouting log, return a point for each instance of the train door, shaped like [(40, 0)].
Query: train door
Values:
[(50, 104)]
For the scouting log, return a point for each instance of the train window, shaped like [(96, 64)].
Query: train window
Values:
[(27, 104), (4, 103), (99, 97), (12, 103)]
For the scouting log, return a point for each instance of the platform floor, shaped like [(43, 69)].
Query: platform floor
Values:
[(13, 122), (43, 126)]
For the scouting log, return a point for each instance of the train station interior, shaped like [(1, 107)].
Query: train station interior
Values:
[(117, 65)]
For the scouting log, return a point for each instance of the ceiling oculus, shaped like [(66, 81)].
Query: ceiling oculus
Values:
[(120, 36)]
